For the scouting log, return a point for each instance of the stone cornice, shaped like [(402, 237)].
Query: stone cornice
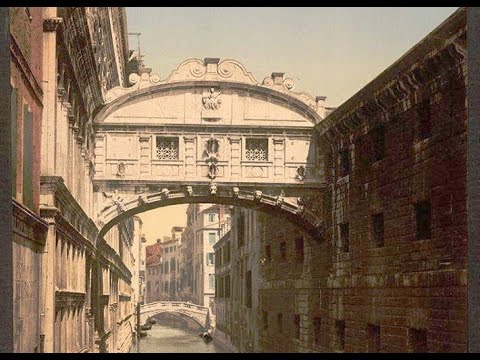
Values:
[(69, 298), (24, 67), (28, 224), (442, 49), (55, 184)]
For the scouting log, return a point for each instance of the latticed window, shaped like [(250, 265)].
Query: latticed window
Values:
[(167, 148), (256, 149)]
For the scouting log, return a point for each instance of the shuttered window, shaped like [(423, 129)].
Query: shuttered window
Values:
[(13, 116), (27, 157)]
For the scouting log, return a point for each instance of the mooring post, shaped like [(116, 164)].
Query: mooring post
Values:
[(138, 324)]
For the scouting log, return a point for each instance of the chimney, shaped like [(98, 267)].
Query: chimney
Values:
[(321, 105), (277, 78), (212, 64)]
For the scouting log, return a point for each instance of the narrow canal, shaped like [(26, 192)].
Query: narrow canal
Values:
[(169, 339)]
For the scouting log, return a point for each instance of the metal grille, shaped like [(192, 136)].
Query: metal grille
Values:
[(257, 149), (167, 148)]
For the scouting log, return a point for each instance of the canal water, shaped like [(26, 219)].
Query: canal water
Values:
[(169, 339)]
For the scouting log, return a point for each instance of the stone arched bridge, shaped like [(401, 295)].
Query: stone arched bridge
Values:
[(199, 314)]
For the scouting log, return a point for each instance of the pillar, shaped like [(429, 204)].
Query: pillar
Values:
[(47, 303)]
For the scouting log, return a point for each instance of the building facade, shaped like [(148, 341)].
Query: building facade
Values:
[(389, 271), (72, 291), (206, 223), (29, 229), (223, 299), (154, 271), (397, 208)]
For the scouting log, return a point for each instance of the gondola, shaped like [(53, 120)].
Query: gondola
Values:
[(146, 327), (206, 337), (152, 321)]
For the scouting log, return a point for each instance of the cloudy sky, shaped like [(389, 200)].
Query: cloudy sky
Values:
[(332, 52)]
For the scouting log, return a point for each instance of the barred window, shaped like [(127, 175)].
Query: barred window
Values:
[(167, 148), (256, 149)]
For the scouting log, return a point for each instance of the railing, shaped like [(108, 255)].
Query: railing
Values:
[(173, 304)]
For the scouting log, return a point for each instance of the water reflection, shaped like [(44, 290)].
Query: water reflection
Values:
[(168, 339)]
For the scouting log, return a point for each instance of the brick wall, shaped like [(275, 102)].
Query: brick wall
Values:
[(412, 284)]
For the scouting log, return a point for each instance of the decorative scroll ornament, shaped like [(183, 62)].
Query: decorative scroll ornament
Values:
[(210, 69)]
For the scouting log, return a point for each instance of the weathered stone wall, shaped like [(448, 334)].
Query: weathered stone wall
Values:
[(28, 229), (291, 278), (409, 292)]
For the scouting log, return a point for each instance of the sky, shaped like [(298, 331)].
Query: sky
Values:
[(330, 52)]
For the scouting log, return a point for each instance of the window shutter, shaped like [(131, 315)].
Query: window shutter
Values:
[(27, 158), (13, 117)]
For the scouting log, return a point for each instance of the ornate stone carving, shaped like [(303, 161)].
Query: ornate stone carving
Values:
[(212, 148), (236, 191), (301, 173), (301, 205), (142, 199), (211, 101), (213, 189), (189, 190), (258, 195), (210, 69), (113, 199), (165, 193), (121, 169)]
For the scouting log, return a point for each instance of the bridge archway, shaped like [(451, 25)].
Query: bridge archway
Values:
[(200, 314), (211, 133), (294, 211)]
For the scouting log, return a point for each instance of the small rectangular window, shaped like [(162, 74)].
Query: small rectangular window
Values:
[(423, 216), (210, 259), (417, 340), (280, 322), (424, 120), (241, 229), (296, 321), (211, 217), (344, 237), (167, 148), (265, 319), (283, 251), (340, 327), (344, 156), (373, 332), (212, 238), (256, 149), (299, 249), (227, 286), (378, 138), (268, 253), (317, 322), (378, 230), (248, 286)]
